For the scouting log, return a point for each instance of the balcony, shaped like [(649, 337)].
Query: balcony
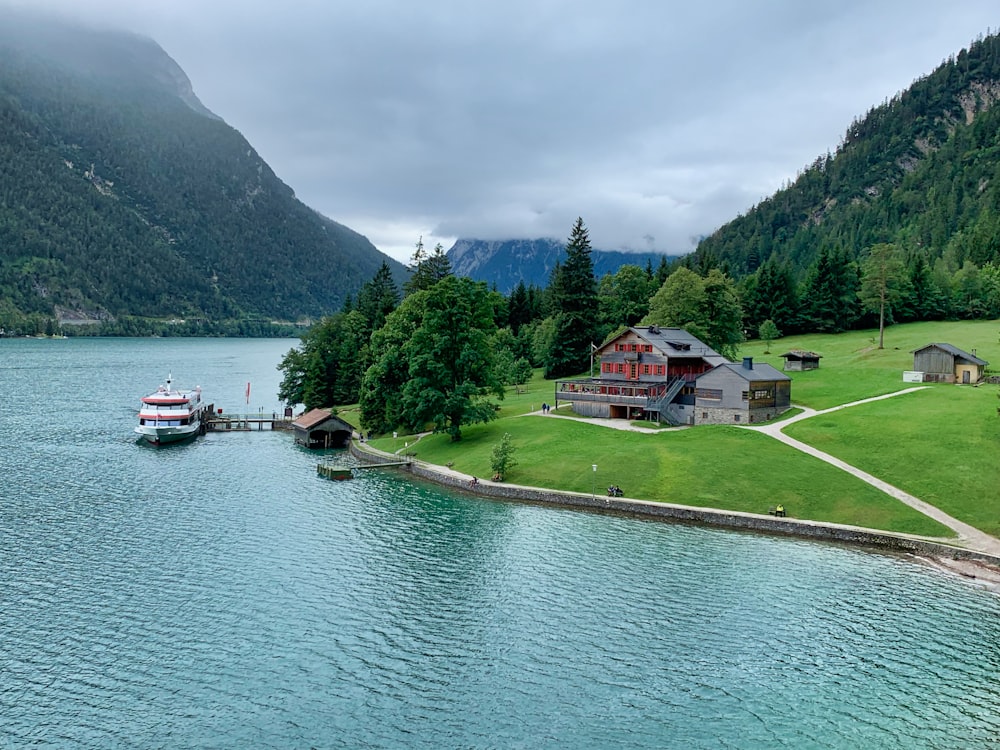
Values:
[(602, 391)]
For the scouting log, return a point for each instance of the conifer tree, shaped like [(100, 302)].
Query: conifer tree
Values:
[(830, 297), (574, 302), (427, 270), (518, 308), (378, 297)]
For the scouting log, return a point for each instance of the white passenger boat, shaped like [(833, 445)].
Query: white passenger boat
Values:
[(169, 415)]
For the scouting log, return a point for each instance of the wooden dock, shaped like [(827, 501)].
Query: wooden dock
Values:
[(247, 422), (347, 472)]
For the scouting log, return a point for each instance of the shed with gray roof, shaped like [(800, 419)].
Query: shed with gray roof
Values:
[(944, 363)]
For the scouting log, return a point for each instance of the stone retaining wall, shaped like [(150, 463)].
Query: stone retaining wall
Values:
[(682, 513)]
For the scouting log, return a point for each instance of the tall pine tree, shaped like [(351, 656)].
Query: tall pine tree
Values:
[(575, 307)]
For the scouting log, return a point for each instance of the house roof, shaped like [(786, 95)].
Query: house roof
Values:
[(955, 351), (312, 418), (801, 354), (757, 371), (674, 342)]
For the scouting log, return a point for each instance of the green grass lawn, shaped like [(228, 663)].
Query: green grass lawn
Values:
[(714, 466), (853, 368), (940, 444)]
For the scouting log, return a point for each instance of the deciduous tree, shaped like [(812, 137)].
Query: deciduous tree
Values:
[(768, 332), (502, 459), (451, 365)]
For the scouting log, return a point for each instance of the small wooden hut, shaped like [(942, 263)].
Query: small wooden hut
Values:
[(797, 360)]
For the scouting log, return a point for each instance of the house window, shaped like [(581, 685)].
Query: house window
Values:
[(635, 347), (621, 368), (645, 369), (661, 369), (746, 395), (762, 394), (736, 417), (704, 415), (710, 394), (647, 348)]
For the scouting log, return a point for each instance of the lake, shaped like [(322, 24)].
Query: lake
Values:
[(219, 594)]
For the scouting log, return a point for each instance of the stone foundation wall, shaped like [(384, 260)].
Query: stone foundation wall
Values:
[(726, 416), (678, 513)]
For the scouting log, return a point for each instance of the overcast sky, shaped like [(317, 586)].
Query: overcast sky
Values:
[(655, 121)]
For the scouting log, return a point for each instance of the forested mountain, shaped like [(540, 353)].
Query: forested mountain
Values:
[(921, 171), (505, 263), (122, 195)]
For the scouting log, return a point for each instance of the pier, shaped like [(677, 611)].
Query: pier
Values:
[(347, 472), (255, 421)]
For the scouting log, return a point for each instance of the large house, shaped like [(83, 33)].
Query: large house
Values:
[(666, 374)]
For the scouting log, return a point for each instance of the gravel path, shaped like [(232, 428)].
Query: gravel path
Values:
[(968, 536)]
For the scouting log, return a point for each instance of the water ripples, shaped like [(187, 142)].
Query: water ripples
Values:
[(219, 594)]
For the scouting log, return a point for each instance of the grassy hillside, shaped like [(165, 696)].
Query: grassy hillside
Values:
[(918, 170), (939, 444), (853, 368)]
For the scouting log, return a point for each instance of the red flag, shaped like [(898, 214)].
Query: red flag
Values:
[(248, 393)]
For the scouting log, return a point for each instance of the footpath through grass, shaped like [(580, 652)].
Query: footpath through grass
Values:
[(940, 445), (714, 467)]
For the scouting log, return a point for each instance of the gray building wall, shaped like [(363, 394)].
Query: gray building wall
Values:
[(935, 361), (731, 408), (725, 380)]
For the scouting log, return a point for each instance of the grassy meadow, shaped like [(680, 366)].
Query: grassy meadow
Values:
[(712, 466), (853, 368), (940, 444)]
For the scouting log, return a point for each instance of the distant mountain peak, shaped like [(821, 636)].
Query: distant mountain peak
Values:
[(116, 58), (505, 263)]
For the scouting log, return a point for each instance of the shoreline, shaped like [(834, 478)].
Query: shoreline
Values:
[(980, 567)]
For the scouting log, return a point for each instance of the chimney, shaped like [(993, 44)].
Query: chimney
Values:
[(974, 353), (748, 363)]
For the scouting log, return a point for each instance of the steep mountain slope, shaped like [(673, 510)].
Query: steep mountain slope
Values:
[(920, 170), (507, 262), (121, 194)]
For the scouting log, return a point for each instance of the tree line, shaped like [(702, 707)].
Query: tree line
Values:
[(440, 352)]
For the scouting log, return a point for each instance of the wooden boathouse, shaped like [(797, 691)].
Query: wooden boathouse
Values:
[(320, 428)]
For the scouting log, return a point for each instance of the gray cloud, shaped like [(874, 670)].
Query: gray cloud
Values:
[(496, 120)]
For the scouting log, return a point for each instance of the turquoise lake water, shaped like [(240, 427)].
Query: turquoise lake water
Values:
[(220, 594)]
